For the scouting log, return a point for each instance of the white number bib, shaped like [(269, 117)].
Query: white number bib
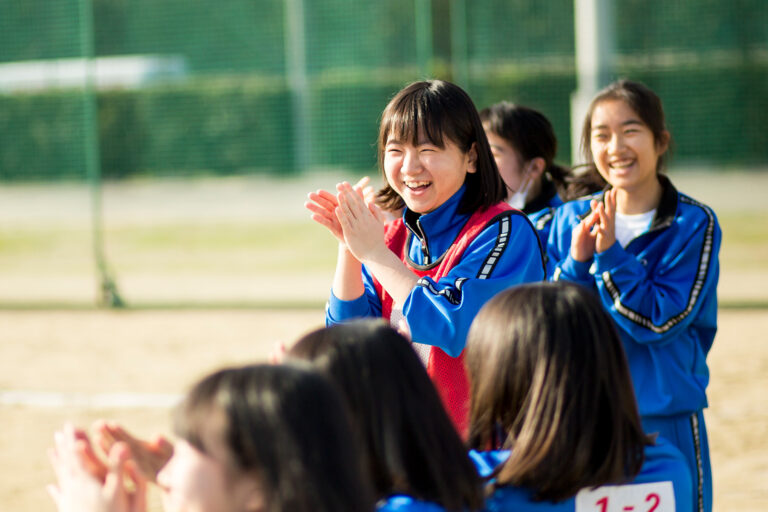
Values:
[(650, 497)]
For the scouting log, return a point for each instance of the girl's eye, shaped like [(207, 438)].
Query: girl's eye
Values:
[(600, 136)]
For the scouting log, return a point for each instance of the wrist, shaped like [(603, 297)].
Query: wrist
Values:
[(378, 254), (580, 256)]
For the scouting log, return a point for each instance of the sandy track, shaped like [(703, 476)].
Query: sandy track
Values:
[(164, 351)]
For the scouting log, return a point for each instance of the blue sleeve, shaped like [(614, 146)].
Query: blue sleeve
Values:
[(504, 254), (654, 301), (542, 221), (404, 503), (367, 305)]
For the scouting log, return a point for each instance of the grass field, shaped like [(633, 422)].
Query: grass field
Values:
[(200, 263), (248, 242)]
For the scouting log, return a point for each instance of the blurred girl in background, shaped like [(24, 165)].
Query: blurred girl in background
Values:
[(524, 146)]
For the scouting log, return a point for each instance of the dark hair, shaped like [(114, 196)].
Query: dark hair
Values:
[(645, 103), (412, 447), (531, 134), (285, 424), (441, 110), (548, 372)]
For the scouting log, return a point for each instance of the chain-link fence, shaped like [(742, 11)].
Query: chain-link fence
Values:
[(125, 90)]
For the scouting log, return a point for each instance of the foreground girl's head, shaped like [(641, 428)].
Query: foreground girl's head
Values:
[(431, 142), (550, 381), (263, 438), (624, 134), (411, 445)]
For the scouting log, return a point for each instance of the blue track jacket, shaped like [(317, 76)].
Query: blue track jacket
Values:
[(541, 215), (440, 313), (402, 503), (663, 463), (661, 291)]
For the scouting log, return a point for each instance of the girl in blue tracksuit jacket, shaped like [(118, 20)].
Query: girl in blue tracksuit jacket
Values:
[(554, 424), (456, 245), (651, 255)]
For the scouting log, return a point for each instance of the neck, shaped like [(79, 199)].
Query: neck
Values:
[(534, 190), (641, 200)]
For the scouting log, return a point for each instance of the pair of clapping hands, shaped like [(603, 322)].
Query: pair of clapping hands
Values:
[(597, 231), (88, 482), (351, 215)]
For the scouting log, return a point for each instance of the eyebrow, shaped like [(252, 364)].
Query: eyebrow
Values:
[(625, 123), (419, 143)]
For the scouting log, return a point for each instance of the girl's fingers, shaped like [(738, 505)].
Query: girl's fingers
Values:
[(278, 353), (362, 185), (343, 217), (600, 211), (357, 204), (610, 204), (53, 457), (55, 493), (323, 196), (331, 224), (164, 447), (348, 200), (314, 208), (118, 456), (325, 204), (139, 501), (93, 465)]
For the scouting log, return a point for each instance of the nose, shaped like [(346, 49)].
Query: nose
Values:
[(411, 162), (616, 143)]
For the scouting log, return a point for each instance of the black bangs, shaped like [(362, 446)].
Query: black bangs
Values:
[(438, 111), (413, 114), (192, 418)]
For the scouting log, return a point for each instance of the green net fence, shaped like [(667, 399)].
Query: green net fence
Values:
[(197, 110)]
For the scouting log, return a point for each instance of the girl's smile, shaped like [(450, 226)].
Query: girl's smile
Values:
[(426, 175)]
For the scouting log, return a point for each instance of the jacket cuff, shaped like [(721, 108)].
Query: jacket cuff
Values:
[(340, 310), (610, 258), (576, 269)]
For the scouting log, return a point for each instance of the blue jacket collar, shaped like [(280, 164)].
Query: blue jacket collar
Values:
[(437, 229)]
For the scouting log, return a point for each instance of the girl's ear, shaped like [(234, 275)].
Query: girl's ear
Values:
[(663, 143), (536, 166), (472, 158)]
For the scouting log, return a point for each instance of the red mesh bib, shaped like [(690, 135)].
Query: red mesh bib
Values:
[(447, 373)]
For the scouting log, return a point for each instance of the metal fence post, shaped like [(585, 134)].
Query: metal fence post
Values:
[(109, 295)]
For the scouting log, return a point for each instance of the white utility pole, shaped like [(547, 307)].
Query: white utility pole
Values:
[(595, 49)]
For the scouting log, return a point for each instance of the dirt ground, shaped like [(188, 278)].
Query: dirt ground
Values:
[(85, 355)]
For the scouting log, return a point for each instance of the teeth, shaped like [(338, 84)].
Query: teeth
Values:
[(622, 163), (416, 184)]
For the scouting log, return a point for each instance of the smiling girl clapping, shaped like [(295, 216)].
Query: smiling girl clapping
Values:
[(456, 245)]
